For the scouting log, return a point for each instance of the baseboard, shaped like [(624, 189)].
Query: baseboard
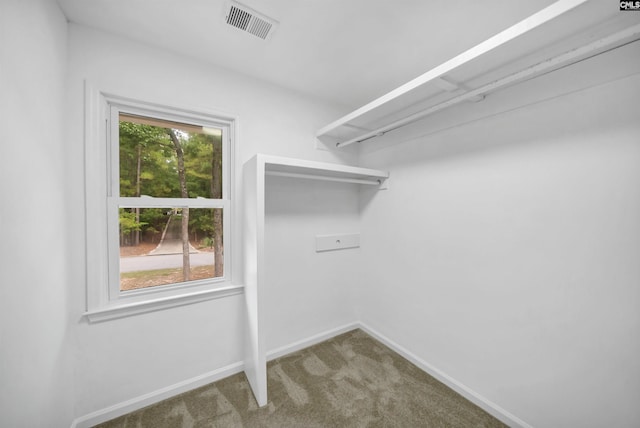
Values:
[(153, 397), (477, 399), (313, 340), (138, 403), (148, 399)]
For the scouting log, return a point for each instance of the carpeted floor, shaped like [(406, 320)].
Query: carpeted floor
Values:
[(351, 380)]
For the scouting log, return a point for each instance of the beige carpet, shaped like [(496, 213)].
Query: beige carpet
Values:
[(351, 380)]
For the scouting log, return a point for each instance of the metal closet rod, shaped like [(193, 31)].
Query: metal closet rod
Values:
[(325, 178), (526, 25), (613, 41)]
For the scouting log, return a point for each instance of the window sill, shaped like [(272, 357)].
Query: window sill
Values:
[(120, 310)]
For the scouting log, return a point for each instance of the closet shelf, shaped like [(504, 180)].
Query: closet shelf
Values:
[(566, 32), (299, 168), (254, 260)]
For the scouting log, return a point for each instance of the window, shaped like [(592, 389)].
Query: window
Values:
[(166, 198)]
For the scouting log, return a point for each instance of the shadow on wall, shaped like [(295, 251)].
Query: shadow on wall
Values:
[(555, 104), (580, 115), (305, 198)]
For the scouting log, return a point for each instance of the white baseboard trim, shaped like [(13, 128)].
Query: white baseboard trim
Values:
[(138, 403), (153, 397), (313, 340), (477, 399)]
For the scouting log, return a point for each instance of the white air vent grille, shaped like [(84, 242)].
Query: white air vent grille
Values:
[(249, 20)]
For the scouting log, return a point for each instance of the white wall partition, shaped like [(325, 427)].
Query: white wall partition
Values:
[(255, 352), (285, 299)]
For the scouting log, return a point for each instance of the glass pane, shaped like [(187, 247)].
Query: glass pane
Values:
[(168, 159), (154, 251)]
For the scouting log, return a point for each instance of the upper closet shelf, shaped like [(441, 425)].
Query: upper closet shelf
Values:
[(566, 32), (298, 168)]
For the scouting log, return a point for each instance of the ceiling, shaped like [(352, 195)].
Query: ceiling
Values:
[(347, 52)]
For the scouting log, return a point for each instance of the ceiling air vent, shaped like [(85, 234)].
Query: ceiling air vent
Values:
[(247, 19)]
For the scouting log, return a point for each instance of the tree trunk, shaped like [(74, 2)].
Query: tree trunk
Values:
[(186, 264), (136, 236), (216, 193)]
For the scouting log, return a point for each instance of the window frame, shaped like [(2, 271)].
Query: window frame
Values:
[(102, 200)]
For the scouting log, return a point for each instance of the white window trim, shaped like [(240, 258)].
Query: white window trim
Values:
[(102, 302)]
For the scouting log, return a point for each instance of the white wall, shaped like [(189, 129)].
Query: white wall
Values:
[(123, 359), (505, 253), (36, 386), (306, 287)]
